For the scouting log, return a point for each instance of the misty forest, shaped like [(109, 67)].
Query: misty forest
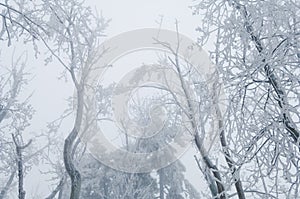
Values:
[(216, 118)]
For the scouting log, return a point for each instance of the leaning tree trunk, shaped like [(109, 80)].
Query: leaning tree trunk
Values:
[(7, 185), (68, 146)]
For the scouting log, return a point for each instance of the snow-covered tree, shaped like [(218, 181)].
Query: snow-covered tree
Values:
[(102, 182), (15, 116), (70, 32), (256, 51), (173, 184), (75, 32)]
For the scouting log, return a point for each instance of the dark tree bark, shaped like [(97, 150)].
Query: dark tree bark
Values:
[(161, 185), (273, 80), (190, 114), (19, 160), (68, 146)]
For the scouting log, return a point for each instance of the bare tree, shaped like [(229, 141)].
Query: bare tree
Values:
[(15, 116), (257, 55), (19, 159), (73, 31), (76, 31), (199, 107)]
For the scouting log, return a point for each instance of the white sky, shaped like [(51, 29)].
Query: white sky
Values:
[(135, 14), (50, 93)]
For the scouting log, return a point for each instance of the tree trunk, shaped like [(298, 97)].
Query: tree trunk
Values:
[(19, 160), (7, 185), (68, 147), (57, 189), (161, 184)]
